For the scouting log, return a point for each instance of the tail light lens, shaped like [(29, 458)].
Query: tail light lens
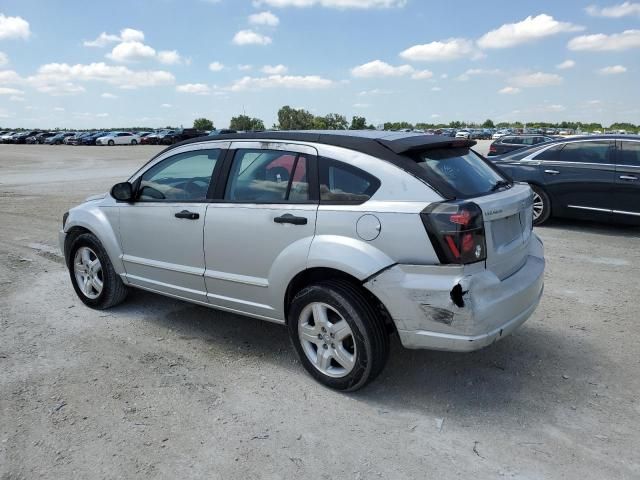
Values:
[(493, 149), (456, 231)]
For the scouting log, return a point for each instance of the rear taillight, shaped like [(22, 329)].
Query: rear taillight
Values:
[(456, 231), (493, 149)]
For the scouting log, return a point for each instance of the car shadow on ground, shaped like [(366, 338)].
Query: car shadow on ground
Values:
[(519, 372), (587, 226)]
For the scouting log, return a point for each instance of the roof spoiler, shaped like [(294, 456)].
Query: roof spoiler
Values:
[(419, 142)]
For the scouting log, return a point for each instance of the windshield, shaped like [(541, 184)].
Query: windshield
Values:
[(460, 171)]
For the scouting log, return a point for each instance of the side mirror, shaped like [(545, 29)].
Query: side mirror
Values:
[(123, 192)]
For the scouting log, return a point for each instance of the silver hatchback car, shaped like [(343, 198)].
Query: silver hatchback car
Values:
[(344, 237)]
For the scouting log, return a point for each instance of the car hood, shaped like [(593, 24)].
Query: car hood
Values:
[(92, 198)]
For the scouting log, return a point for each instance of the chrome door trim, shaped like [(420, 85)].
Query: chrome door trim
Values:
[(624, 212), (628, 177), (605, 210), (236, 278)]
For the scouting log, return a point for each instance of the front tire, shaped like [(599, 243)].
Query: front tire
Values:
[(541, 205), (92, 274), (340, 339), (134, 142)]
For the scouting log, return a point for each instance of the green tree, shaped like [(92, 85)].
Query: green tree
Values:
[(336, 121), (358, 123), (294, 119), (203, 124), (488, 123), (246, 123)]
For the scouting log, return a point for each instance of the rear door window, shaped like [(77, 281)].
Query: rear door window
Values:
[(586, 152), (629, 154), (552, 153), (268, 176), (460, 170)]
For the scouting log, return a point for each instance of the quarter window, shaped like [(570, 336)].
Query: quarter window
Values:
[(342, 183), (268, 176), (629, 154), (552, 153), (182, 177)]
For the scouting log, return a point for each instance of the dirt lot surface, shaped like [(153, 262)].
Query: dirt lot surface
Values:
[(158, 388)]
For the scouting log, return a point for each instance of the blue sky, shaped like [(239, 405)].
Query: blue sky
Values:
[(165, 62)]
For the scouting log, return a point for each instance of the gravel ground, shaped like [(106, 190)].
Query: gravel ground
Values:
[(158, 388)]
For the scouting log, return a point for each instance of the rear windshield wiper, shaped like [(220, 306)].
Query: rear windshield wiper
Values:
[(500, 184)]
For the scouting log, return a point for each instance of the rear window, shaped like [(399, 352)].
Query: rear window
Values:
[(460, 171)]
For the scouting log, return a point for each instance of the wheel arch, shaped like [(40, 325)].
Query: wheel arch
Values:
[(314, 275)]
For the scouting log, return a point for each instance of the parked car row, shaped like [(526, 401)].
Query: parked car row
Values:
[(110, 138)]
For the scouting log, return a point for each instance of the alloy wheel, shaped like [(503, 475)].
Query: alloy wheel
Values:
[(327, 340), (88, 272), (538, 205)]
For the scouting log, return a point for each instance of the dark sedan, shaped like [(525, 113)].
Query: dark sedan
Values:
[(509, 143), (594, 178)]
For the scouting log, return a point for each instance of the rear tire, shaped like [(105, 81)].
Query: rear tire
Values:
[(111, 143), (541, 205), (347, 350), (134, 142), (104, 288)]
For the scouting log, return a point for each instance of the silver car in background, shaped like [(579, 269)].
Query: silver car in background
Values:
[(344, 237)]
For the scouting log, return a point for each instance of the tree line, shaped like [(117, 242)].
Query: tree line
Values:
[(300, 119)]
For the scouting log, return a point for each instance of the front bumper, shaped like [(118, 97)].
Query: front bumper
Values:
[(420, 301)]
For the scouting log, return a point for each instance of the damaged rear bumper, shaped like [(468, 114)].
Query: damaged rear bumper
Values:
[(459, 308)]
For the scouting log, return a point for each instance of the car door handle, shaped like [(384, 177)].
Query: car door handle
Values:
[(628, 177), (292, 219), (552, 172), (188, 215)]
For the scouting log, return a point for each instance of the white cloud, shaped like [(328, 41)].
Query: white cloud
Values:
[(477, 71), (195, 88), (554, 108), (529, 29), (616, 11), (309, 82), (131, 51), (103, 40), (361, 105), (509, 90), (108, 95), (58, 109), (538, 79), (166, 105), (249, 37), (274, 69), (422, 75), (244, 68), (102, 115), (566, 65), (8, 77), (169, 57), (435, 115), (216, 66), (612, 70), (126, 35), (436, 89), (10, 91), (264, 18), (4, 59), (378, 68), (59, 78), (131, 35), (16, 98), (340, 4), (375, 91), (450, 49), (600, 42), (13, 27)]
